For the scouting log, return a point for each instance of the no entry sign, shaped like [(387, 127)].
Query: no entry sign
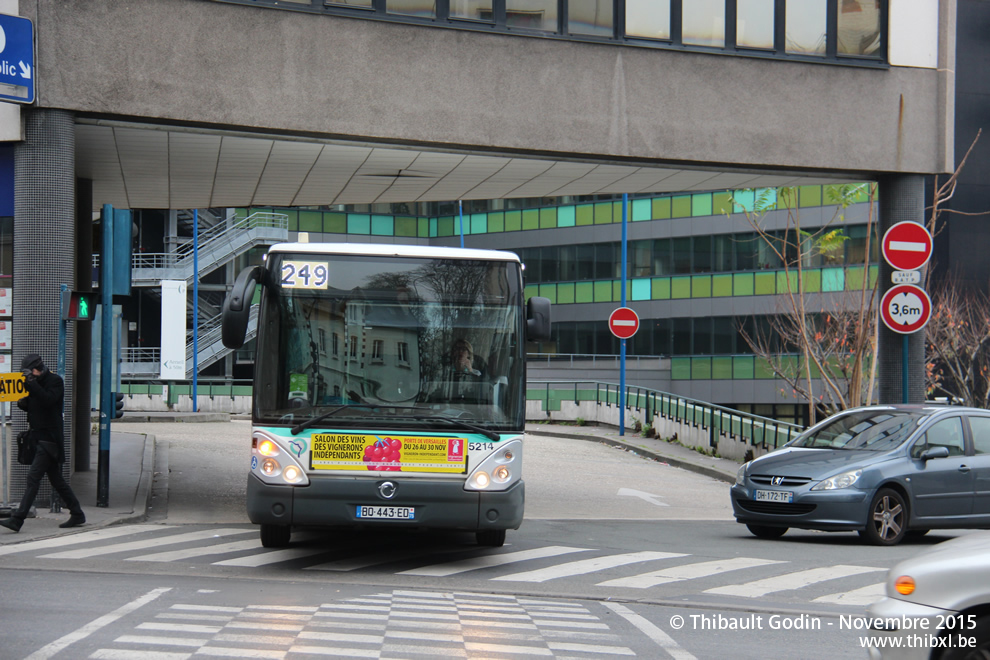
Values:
[(907, 246), (623, 322), (905, 308)]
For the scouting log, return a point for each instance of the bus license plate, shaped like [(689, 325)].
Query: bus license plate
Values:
[(773, 496), (387, 512)]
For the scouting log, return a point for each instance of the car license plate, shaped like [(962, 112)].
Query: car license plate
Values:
[(773, 496), (387, 512)]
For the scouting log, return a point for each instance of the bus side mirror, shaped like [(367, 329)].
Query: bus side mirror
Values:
[(537, 319), (237, 307)]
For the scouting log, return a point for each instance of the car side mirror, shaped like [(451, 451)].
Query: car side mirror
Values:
[(935, 452), (538, 319)]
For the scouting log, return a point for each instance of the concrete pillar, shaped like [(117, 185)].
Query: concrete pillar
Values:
[(44, 258), (901, 198)]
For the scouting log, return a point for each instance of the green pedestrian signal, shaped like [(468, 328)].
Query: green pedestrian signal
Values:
[(78, 306)]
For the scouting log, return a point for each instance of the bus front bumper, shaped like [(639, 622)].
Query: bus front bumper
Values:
[(437, 504)]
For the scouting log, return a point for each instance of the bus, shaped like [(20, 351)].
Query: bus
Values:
[(389, 387)]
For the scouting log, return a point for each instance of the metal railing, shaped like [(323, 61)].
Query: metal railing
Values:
[(570, 358), (209, 240), (717, 420)]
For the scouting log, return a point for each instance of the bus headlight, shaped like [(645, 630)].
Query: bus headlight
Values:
[(273, 463), (499, 470)]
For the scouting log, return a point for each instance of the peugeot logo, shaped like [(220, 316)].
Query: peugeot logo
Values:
[(386, 489), (776, 481)]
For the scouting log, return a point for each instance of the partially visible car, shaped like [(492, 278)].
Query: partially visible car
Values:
[(883, 471), (937, 604)]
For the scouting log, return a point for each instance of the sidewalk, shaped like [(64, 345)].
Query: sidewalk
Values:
[(132, 465), (723, 469), (130, 477)]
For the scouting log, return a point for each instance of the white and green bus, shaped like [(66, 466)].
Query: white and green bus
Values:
[(389, 387)]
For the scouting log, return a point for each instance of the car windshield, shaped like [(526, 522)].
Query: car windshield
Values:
[(871, 430)]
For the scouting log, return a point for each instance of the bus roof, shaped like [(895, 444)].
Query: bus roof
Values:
[(390, 250)]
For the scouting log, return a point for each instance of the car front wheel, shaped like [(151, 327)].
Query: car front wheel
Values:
[(766, 531), (275, 536), (887, 521), (981, 634)]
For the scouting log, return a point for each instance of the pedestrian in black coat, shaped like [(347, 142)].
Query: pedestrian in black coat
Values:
[(44, 403)]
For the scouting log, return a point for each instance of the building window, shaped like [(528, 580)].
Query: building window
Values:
[(421, 8), (858, 27), (648, 19), (590, 17), (378, 351), (850, 31), (754, 23), (805, 27), (403, 352), (531, 14), (323, 341), (703, 23), (335, 344), (354, 347)]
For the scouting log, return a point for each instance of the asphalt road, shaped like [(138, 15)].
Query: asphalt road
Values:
[(613, 550)]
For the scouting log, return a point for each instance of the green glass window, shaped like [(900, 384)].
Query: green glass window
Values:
[(382, 225), (701, 368), (405, 227), (513, 221), (809, 196), (742, 284), (721, 285), (680, 287), (335, 223), (641, 210), (661, 288), (833, 279), (479, 223), (565, 216), (722, 368), (701, 204), (584, 292), (531, 219), (311, 221), (549, 291), (565, 293), (661, 208), (496, 222), (743, 367), (603, 213), (680, 206), (585, 215), (641, 289), (358, 223), (680, 368), (766, 284), (548, 218), (701, 286), (445, 226), (603, 291)]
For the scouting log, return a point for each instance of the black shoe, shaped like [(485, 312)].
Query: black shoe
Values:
[(13, 524), (74, 520)]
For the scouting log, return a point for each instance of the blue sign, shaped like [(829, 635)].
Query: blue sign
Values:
[(16, 59)]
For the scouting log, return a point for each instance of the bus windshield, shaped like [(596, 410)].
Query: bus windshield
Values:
[(390, 342)]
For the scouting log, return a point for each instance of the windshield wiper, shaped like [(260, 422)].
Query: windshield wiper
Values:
[(491, 435), (301, 426)]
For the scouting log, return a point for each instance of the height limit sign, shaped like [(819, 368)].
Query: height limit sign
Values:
[(905, 308)]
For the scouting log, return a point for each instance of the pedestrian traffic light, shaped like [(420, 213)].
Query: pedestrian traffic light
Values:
[(77, 306), (118, 405)]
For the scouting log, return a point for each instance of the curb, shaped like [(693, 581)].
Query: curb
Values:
[(144, 483), (664, 458)]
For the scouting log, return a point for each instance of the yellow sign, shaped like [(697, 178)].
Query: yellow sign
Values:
[(387, 453), (12, 387)]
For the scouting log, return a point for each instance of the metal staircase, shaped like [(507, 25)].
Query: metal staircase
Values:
[(217, 245)]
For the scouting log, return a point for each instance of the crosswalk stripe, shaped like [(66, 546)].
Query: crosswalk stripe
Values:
[(149, 543), (584, 566), (76, 539), (488, 561), (687, 572), (270, 557), (795, 580), (862, 596), (189, 553)]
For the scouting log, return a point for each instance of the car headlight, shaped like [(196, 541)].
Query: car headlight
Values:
[(500, 469), (844, 480), (741, 475), (274, 464)]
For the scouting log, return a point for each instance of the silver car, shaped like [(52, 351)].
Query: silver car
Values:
[(883, 471), (937, 604)]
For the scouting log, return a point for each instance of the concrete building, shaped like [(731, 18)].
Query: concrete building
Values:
[(197, 104)]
